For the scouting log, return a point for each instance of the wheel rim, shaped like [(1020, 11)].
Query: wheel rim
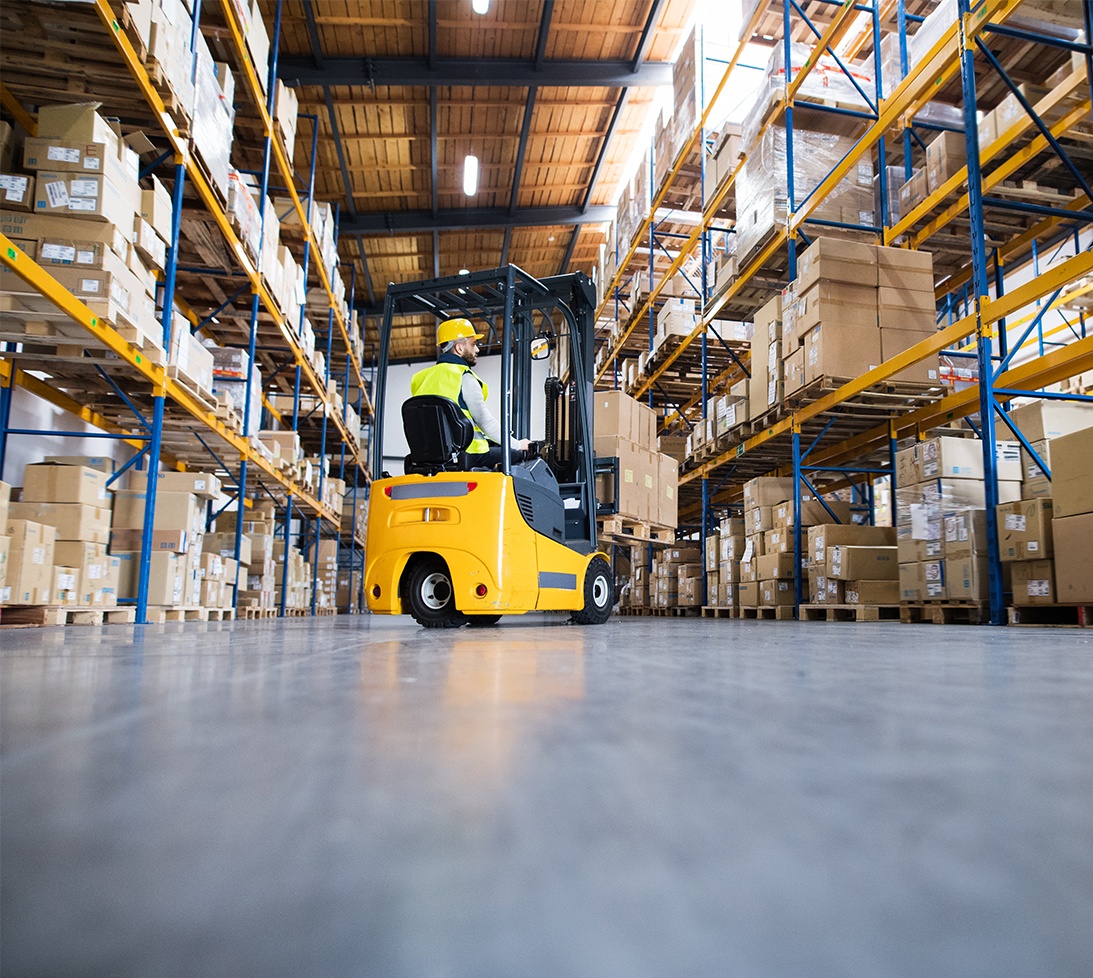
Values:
[(436, 591), (600, 590)]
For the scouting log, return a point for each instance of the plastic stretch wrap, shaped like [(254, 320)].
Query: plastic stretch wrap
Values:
[(243, 211), (930, 31), (762, 190)]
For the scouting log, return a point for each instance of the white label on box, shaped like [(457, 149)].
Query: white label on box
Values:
[(783, 585), (91, 163), (89, 285), (57, 193), (748, 550), (66, 582), (84, 188), (63, 155), (865, 174), (852, 597), (1039, 589), (199, 485), (1033, 471), (648, 482), (627, 475), (85, 257), (932, 374), (55, 252), (934, 589), (94, 572), (930, 468), (102, 493), (1033, 546), (920, 528), (5, 595), (670, 492), (81, 204), (38, 555), (1015, 521)]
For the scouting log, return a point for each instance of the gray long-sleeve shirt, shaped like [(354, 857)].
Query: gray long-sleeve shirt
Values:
[(482, 415)]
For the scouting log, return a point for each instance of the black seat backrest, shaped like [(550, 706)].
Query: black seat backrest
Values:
[(437, 433)]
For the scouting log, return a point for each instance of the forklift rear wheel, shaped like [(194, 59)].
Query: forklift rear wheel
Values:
[(431, 596), (599, 594), (481, 621)]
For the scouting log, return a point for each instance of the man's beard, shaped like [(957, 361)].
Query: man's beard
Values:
[(471, 358)]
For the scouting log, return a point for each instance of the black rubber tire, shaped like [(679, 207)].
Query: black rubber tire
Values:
[(429, 595), (599, 593), (482, 621)]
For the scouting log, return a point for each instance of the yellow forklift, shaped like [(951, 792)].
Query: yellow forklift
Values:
[(451, 545)]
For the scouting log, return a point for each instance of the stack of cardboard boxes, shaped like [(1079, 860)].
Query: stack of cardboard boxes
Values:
[(74, 569), (941, 539), (677, 578), (1044, 538), (724, 551), (853, 564), (647, 483)]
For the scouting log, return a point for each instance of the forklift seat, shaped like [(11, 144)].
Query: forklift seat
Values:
[(437, 433)]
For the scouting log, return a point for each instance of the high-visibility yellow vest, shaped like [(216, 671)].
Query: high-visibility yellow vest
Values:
[(446, 379)]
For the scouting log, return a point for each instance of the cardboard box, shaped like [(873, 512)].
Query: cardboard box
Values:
[(838, 303), (16, 192), (913, 192), (1072, 473), (772, 566), (29, 573), (1024, 529), (748, 572), (202, 484), (911, 585), (813, 512), (1034, 483), (793, 372), (894, 341), (945, 156), (778, 540), (91, 564), (166, 580), (872, 592), (906, 308), (174, 511), (5, 498), (747, 593), (614, 416), (72, 521), (65, 240), (1074, 558), (966, 533), (634, 498), (835, 259), (962, 458), (933, 580), (1033, 582), (759, 521), (1045, 419), (825, 536), (777, 594), (766, 491), (862, 563), (125, 541), (966, 578), (841, 352), (94, 197), (100, 463), (155, 208), (905, 268), (47, 483)]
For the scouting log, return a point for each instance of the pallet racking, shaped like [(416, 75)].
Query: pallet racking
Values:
[(128, 392), (850, 429)]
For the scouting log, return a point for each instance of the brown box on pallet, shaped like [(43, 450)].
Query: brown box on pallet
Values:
[(837, 303), (65, 585), (913, 192), (793, 372), (747, 593), (748, 572), (895, 341), (728, 571), (863, 563), (1033, 582), (1034, 484), (837, 260), (1072, 473), (778, 541), (775, 594), (1044, 420), (965, 533), (821, 538), (772, 566), (813, 512), (128, 541), (910, 582), (1024, 529), (933, 579), (16, 192), (165, 579), (667, 511), (174, 511), (1074, 558), (30, 561), (759, 520), (91, 563), (47, 483), (945, 156), (905, 268), (726, 595), (635, 495), (966, 578), (767, 491), (872, 592), (841, 351), (71, 520), (202, 484)]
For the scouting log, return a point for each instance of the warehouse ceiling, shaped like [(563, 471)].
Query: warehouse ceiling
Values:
[(550, 95)]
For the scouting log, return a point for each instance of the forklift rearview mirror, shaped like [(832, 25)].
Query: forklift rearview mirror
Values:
[(540, 348)]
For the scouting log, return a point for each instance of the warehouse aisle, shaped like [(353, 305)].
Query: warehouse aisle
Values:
[(654, 797)]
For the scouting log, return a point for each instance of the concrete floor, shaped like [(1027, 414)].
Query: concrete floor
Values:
[(656, 797)]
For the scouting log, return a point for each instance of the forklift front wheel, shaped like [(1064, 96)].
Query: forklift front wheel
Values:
[(430, 595), (599, 594)]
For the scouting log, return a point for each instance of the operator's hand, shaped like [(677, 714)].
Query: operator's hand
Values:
[(523, 444)]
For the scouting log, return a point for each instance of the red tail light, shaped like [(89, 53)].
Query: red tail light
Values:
[(480, 590), (471, 486), (387, 491)]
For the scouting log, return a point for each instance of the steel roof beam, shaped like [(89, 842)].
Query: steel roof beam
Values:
[(299, 70), (521, 150), (421, 222), (544, 30)]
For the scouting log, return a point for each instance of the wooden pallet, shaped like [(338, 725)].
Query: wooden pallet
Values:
[(674, 612), (781, 613), (221, 614), (945, 612), (160, 614), (717, 611), (622, 529), (850, 612), (256, 613), (206, 398), (1052, 615), (37, 616)]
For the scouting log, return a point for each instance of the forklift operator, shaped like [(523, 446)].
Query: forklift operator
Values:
[(452, 377)]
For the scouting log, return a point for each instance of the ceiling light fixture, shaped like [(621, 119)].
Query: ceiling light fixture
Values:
[(470, 176), (480, 6), (464, 271)]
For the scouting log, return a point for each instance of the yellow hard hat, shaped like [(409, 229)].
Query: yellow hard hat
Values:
[(454, 329)]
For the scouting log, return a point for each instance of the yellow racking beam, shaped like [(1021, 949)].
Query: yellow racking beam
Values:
[(992, 311), (286, 168), (154, 373), (15, 107)]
